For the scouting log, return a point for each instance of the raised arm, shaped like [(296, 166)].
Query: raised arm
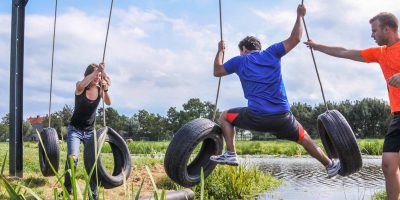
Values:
[(81, 85), (297, 31), (105, 84), (339, 52), (219, 69)]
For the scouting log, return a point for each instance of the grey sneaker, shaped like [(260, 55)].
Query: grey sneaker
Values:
[(227, 158), (333, 168)]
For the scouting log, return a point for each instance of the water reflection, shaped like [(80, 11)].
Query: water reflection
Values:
[(305, 178)]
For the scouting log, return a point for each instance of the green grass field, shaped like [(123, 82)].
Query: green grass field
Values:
[(45, 186), (275, 147)]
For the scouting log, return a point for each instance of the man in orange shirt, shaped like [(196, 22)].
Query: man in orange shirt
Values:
[(385, 33)]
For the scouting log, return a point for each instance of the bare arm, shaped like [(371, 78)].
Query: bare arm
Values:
[(219, 69), (339, 52), (297, 31), (81, 85), (105, 83)]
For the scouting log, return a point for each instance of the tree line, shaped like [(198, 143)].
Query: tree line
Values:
[(369, 118)]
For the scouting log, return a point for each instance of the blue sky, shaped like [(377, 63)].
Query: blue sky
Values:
[(160, 52)]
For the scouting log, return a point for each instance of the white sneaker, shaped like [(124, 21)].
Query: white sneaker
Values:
[(334, 168), (227, 158)]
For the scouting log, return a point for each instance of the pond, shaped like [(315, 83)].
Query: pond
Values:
[(305, 178)]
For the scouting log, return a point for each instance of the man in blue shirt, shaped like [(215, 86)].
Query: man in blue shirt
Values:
[(268, 109)]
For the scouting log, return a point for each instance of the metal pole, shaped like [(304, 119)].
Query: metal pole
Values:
[(16, 86)]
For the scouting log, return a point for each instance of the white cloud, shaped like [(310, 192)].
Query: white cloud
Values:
[(157, 61)]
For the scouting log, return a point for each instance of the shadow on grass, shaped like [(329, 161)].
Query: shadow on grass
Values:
[(34, 182)]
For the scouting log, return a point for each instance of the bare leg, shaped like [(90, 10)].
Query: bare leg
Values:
[(228, 131), (314, 150), (390, 168)]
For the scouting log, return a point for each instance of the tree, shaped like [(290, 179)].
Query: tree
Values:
[(193, 109), (4, 127), (151, 126), (56, 123), (113, 119), (131, 125), (26, 128), (65, 114)]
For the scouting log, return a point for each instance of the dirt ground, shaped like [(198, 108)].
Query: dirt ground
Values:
[(45, 190)]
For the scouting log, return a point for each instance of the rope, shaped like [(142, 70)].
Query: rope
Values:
[(219, 80), (315, 64), (104, 54), (52, 59)]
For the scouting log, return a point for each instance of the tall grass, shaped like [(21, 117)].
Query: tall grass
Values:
[(242, 182), (371, 146), (380, 196), (275, 147)]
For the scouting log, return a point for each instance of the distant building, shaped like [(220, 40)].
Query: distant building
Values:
[(37, 124)]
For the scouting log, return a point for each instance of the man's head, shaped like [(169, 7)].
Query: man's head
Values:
[(248, 44), (383, 26)]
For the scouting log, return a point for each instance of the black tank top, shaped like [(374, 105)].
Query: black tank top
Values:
[(85, 111)]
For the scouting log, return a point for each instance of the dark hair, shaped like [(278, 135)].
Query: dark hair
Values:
[(90, 69), (251, 43), (386, 19)]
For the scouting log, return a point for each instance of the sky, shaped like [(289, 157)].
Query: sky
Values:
[(160, 53)]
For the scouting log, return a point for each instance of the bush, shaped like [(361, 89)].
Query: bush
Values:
[(242, 182), (380, 196)]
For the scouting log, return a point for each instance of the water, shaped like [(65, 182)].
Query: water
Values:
[(305, 178)]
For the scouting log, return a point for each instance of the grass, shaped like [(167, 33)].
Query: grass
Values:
[(147, 175), (380, 196), (275, 147), (242, 182)]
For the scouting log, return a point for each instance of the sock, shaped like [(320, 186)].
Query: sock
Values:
[(230, 152)]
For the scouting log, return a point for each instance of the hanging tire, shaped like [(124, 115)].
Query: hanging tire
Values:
[(122, 159), (339, 141), (50, 143), (182, 145)]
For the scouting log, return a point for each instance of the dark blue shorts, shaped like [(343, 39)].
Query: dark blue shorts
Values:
[(392, 138), (283, 126)]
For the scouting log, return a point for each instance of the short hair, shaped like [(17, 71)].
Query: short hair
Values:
[(90, 69), (251, 43), (386, 19)]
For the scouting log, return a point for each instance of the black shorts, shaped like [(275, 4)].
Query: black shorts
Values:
[(283, 126), (392, 138)]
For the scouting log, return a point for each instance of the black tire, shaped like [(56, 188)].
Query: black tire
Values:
[(182, 145), (50, 142), (122, 159), (339, 141)]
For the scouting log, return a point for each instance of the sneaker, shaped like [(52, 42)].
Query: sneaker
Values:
[(333, 168), (227, 158)]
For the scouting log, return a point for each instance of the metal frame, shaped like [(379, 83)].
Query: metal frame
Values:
[(16, 87)]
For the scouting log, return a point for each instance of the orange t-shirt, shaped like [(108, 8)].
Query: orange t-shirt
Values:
[(389, 60)]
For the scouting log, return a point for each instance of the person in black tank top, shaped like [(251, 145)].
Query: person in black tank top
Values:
[(81, 128)]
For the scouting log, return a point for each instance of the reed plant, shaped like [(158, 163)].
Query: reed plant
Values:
[(242, 182), (381, 195), (371, 146), (272, 147)]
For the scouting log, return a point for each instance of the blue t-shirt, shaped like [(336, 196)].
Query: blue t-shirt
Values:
[(261, 78)]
